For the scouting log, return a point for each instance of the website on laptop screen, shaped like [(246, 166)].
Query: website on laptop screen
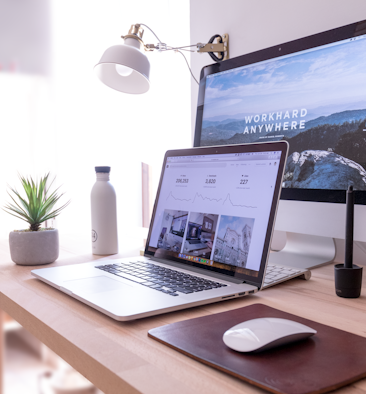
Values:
[(214, 209)]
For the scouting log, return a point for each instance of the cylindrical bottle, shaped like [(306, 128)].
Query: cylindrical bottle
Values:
[(103, 214)]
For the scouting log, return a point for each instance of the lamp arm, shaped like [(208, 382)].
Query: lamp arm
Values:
[(221, 47)]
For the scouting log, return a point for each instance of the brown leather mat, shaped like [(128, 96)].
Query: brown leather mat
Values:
[(328, 360)]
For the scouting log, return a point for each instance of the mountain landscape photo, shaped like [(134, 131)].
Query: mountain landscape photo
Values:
[(231, 131), (314, 99)]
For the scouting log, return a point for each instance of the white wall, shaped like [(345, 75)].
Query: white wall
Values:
[(67, 122), (254, 25), (97, 125)]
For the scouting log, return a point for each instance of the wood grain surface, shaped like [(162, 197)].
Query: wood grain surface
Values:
[(118, 357)]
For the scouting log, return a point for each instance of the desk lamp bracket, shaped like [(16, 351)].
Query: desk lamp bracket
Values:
[(218, 50), (221, 47)]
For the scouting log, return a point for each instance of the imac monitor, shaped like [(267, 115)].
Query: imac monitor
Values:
[(310, 92)]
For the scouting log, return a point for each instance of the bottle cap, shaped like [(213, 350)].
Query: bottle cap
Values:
[(103, 169)]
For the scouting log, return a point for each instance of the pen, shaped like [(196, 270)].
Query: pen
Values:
[(349, 228)]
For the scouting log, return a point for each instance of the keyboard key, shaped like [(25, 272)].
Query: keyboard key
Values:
[(281, 276), (170, 289), (147, 283), (130, 277), (183, 290), (168, 292), (288, 272), (155, 286)]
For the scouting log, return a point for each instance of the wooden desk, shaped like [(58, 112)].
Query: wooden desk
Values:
[(119, 357)]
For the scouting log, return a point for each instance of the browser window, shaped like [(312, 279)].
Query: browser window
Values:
[(214, 209)]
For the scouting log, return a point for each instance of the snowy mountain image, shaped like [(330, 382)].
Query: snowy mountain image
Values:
[(315, 100)]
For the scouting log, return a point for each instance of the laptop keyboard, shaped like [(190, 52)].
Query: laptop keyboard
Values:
[(163, 279)]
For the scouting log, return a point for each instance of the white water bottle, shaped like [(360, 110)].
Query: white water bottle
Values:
[(104, 214)]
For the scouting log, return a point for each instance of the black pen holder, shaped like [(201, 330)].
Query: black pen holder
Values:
[(348, 281)]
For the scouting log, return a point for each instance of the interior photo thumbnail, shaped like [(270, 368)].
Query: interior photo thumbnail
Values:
[(200, 234), (172, 230)]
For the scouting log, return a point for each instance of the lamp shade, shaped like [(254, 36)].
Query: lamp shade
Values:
[(125, 68)]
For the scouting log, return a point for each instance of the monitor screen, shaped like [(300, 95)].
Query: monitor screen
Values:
[(219, 207), (310, 92)]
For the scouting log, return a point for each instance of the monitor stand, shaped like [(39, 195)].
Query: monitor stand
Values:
[(304, 251)]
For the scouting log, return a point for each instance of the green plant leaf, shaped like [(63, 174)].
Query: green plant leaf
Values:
[(38, 204)]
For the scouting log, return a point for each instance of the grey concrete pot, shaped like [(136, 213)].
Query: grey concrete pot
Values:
[(34, 247)]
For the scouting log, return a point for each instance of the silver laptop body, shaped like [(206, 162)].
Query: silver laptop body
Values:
[(226, 197)]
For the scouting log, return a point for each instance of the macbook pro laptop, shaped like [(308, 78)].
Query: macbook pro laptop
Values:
[(224, 198)]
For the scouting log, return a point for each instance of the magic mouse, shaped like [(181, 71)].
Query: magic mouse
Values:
[(265, 333)]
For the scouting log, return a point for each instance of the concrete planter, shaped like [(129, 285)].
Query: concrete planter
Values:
[(34, 247)]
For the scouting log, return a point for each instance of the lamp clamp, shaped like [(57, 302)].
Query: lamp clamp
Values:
[(221, 47)]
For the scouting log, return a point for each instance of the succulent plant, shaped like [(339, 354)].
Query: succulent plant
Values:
[(37, 207)]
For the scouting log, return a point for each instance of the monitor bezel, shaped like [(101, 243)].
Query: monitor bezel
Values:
[(327, 37)]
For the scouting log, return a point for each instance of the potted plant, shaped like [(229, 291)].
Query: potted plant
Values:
[(35, 245)]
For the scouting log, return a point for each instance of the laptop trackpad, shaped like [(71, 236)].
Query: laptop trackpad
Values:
[(95, 284)]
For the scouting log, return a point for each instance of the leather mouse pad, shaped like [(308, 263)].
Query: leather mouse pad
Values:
[(328, 360)]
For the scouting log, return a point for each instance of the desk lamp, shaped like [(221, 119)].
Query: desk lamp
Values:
[(127, 69)]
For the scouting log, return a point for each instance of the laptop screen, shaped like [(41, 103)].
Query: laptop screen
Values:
[(214, 207)]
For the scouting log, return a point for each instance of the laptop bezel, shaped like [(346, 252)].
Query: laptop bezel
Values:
[(224, 149)]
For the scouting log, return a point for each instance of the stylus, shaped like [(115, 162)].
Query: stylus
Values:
[(349, 228)]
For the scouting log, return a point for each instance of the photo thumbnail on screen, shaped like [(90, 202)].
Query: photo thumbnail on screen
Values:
[(200, 234), (233, 240), (172, 230)]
